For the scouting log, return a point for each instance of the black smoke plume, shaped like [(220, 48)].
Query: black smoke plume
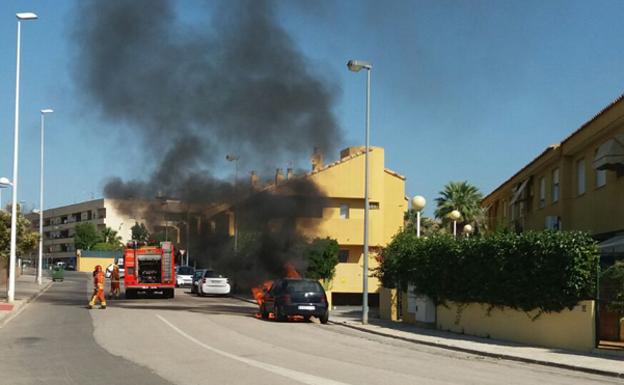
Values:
[(189, 92)]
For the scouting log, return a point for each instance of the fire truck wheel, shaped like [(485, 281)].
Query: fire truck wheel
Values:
[(169, 293), (130, 294)]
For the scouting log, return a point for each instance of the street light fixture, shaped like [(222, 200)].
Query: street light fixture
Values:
[(356, 66), (418, 203), (4, 183), (454, 215), (40, 261), (24, 16), (468, 230), (235, 158)]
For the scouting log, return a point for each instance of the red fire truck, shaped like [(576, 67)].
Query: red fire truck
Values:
[(149, 269)]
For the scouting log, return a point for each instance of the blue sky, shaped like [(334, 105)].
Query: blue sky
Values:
[(462, 90)]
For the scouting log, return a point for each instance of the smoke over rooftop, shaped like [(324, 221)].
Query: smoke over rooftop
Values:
[(193, 92)]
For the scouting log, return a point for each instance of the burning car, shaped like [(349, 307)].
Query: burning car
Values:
[(295, 297)]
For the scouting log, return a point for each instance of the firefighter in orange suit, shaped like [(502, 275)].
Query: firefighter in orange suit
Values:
[(98, 288), (114, 281)]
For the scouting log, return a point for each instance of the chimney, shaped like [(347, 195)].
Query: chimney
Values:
[(317, 159), (289, 173), (279, 176), (254, 179)]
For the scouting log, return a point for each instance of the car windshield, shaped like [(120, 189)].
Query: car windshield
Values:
[(303, 286), (186, 270)]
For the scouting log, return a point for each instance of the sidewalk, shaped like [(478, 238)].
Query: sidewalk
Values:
[(596, 363), (26, 289)]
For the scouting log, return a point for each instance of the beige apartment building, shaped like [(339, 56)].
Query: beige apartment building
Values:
[(59, 224)]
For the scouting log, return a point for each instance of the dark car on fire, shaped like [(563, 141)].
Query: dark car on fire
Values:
[(295, 297)]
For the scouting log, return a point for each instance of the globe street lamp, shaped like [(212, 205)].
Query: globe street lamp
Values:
[(356, 66), (43, 112), (418, 203), (4, 183), (454, 215), (24, 16), (235, 158), (468, 230)]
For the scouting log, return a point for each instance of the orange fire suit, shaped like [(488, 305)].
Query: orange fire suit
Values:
[(115, 282), (98, 290)]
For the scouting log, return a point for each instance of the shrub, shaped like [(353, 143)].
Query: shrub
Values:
[(545, 270)]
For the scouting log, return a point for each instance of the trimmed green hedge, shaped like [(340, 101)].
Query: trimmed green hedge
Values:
[(545, 270)]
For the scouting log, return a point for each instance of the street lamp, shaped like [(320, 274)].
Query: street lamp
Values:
[(468, 230), (454, 215), (4, 183), (418, 203), (356, 66), (25, 16), (235, 158), (43, 112)]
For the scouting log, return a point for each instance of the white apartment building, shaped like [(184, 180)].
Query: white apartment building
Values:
[(59, 224)]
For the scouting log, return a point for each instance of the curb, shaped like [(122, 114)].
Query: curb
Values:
[(487, 354), (18, 309)]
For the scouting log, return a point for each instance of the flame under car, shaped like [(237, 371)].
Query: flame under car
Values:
[(290, 297)]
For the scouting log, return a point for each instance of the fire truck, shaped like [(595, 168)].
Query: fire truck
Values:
[(149, 269)]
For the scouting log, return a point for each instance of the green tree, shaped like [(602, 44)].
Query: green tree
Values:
[(109, 241), (140, 233), (322, 256), (86, 236), (612, 287), (27, 239), (465, 198)]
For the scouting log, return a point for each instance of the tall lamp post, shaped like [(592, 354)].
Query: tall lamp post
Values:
[(454, 215), (356, 66), (235, 158), (418, 203), (40, 260), (4, 183), (25, 16)]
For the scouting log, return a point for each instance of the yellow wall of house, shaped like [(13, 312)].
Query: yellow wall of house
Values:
[(599, 210), (343, 184), (387, 304), (569, 329), (87, 264)]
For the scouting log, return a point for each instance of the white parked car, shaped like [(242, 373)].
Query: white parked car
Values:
[(213, 283), (184, 276)]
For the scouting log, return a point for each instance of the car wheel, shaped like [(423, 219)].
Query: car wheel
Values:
[(324, 318), (306, 318), (263, 312), (279, 316)]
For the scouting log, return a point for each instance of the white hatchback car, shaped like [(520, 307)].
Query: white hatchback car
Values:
[(213, 283), (184, 276)]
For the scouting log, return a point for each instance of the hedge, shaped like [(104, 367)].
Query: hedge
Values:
[(549, 271)]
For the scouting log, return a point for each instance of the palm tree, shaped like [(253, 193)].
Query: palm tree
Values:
[(463, 197), (110, 236)]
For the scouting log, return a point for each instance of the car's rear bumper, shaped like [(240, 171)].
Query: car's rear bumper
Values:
[(304, 309), (215, 289)]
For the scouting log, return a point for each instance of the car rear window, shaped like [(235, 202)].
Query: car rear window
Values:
[(304, 286), (211, 274), (185, 270)]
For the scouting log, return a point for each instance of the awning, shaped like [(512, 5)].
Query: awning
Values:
[(612, 245), (518, 192), (610, 154)]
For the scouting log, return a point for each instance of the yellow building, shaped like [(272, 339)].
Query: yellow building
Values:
[(577, 184), (341, 216)]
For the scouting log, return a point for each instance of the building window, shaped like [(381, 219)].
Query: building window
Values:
[(542, 192), (344, 211), (101, 213), (555, 185), (343, 256), (580, 177), (373, 205), (601, 178)]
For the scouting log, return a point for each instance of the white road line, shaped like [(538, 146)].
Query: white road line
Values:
[(301, 377)]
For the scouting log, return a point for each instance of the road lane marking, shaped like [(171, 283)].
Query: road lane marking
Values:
[(301, 377)]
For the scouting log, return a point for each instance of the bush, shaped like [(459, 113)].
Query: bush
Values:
[(546, 270), (612, 287)]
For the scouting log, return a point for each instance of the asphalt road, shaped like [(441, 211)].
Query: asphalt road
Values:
[(191, 340)]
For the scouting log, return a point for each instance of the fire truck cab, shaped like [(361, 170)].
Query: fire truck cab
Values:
[(149, 269)]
